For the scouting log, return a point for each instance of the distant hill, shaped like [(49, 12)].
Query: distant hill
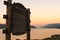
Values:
[(55, 25), (32, 26), (2, 26)]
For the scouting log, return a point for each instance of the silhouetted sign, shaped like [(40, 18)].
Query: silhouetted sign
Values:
[(19, 19)]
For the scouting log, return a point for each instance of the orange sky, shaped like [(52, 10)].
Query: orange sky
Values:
[(42, 11)]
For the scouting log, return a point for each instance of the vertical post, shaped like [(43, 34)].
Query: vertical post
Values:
[(8, 20), (28, 35), (28, 25)]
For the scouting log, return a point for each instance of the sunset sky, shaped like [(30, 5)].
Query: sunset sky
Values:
[(42, 11)]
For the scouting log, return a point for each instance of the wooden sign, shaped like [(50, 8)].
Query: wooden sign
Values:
[(19, 22)]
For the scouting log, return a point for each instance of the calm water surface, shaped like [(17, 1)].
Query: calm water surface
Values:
[(37, 33)]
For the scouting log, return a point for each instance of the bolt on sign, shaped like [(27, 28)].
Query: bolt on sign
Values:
[(19, 20)]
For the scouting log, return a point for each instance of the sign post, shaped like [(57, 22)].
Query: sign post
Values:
[(8, 19), (17, 20), (28, 24), (21, 20)]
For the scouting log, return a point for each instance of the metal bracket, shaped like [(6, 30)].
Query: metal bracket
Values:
[(5, 16), (6, 3), (5, 31)]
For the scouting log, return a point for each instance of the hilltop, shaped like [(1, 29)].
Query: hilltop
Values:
[(54, 25), (2, 26)]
